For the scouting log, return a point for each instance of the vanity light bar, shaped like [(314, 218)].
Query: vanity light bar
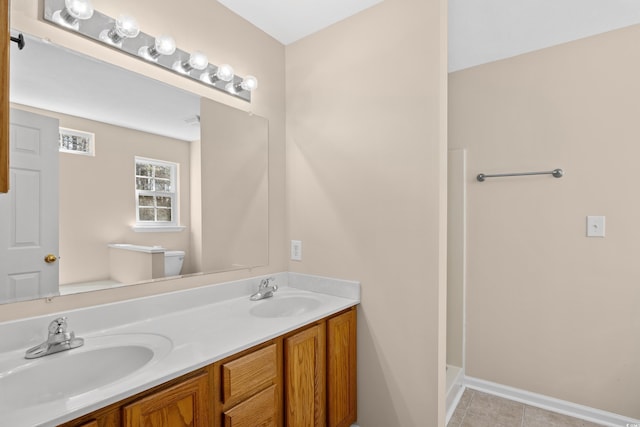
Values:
[(123, 34)]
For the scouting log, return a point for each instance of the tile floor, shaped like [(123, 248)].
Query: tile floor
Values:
[(477, 409)]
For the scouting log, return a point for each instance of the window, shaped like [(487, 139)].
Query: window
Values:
[(76, 142), (156, 193)]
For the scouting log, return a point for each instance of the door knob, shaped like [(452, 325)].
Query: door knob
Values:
[(50, 258)]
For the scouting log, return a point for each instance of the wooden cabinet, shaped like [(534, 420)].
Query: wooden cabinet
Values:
[(306, 378), (320, 373), (181, 402), (341, 370), (185, 404), (4, 95), (305, 361), (257, 411), (250, 388), (106, 417)]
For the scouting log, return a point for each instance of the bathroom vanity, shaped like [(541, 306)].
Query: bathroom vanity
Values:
[(288, 360), (305, 377)]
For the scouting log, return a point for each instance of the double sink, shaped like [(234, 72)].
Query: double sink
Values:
[(106, 359)]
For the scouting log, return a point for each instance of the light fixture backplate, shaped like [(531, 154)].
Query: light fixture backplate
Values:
[(92, 27)]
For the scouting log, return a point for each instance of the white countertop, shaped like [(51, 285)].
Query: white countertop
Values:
[(204, 325)]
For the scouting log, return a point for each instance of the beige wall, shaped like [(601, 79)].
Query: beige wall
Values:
[(210, 27), (366, 165), (550, 310)]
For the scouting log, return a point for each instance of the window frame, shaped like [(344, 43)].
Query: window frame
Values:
[(140, 225), (87, 138)]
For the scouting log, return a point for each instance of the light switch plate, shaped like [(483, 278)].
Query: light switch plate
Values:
[(595, 226)]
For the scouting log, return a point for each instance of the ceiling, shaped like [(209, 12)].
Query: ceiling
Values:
[(291, 20), (480, 31)]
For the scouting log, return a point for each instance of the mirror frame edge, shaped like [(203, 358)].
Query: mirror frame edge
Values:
[(4, 96)]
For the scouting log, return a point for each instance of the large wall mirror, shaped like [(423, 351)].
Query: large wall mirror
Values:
[(130, 151)]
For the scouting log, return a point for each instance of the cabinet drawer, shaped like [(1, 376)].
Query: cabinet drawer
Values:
[(248, 374), (257, 411)]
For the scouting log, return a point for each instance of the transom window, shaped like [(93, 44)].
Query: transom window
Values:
[(156, 192)]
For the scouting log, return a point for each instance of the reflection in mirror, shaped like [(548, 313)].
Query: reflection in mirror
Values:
[(212, 214)]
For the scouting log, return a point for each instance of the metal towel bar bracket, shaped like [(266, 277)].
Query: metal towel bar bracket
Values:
[(557, 173)]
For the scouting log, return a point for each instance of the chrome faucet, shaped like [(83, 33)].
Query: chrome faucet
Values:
[(265, 290), (58, 340)]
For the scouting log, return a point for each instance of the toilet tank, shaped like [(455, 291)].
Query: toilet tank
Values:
[(173, 263)]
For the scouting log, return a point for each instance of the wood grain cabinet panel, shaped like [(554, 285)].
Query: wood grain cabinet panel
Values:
[(257, 411), (341, 370), (4, 95), (186, 404), (106, 417), (244, 376), (249, 388), (304, 382)]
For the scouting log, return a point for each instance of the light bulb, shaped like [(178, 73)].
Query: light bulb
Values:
[(249, 83), (79, 9), (125, 27), (164, 45), (73, 11), (225, 73), (197, 61)]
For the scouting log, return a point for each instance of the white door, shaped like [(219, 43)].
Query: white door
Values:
[(29, 211)]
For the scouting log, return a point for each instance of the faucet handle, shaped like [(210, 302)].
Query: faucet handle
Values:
[(58, 326), (264, 283)]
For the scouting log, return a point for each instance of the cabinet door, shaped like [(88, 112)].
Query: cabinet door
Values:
[(185, 404), (341, 370), (257, 411), (305, 378), (4, 96)]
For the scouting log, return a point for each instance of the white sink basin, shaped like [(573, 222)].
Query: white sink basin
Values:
[(284, 306), (101, 361)]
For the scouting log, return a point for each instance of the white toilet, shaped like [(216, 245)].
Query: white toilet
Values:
[(173, 263)]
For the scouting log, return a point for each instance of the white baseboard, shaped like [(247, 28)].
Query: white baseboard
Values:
[(455, 388), (550, 403), (452, 401)]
